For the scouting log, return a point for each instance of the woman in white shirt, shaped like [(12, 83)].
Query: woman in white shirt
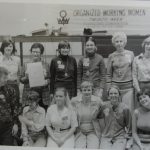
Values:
[(61, 121)]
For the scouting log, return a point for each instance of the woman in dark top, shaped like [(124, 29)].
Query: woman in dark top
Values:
[(63, 70)]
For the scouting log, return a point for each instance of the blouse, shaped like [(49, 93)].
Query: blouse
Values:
[(37, 117), (116, 120), (141, 70), (12, 65), (64, 120)]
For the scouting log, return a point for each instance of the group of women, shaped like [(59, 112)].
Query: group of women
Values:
[(72, 103)]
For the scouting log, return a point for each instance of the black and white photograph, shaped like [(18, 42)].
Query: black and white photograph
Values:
[(75, 75)]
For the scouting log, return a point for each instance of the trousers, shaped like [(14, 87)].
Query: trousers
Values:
[(89, 141)]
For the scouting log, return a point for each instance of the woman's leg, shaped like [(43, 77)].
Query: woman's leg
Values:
[(40, 142), (69, 143), (92, 141), (105, 143), (51, 143), (119, 144), (80, 141)]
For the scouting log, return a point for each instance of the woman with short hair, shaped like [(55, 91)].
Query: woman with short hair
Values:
[(33, 122), (119, 69), (61, 121), (37, 50), (87, 107), (63, 70), (140, 122), (141, 67)]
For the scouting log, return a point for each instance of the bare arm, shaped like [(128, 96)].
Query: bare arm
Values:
[(135, 76), (134, 129)]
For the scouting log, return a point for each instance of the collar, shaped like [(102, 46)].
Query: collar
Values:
[(141, 56), (38, 110), (5, 58), (79, 98)]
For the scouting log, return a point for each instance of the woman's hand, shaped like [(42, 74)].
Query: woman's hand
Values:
[(106, 112), (100, 93), (24, 79), (46, 82), (60, 142), (15, 129), (78, 92), (26, 143)]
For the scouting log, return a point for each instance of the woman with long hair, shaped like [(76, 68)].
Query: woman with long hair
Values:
[(61, 121)]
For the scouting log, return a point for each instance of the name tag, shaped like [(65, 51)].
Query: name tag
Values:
[(86, 62), (61, 66), (65, 118)]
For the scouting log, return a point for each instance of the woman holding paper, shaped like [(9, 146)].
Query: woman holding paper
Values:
[(37, 50), (11, 62), (63, 70)]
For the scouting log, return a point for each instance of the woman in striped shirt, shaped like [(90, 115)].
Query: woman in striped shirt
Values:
[(119, 68)]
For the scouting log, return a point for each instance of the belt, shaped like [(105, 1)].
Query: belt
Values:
[(59, 129), (12, 81), (140, 131)]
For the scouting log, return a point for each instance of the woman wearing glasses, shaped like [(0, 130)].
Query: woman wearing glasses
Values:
[(37, 50)]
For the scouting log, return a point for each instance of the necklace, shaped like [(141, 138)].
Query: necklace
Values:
[(66, 66)]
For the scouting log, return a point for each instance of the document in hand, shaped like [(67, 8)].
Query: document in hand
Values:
[(36, 74)]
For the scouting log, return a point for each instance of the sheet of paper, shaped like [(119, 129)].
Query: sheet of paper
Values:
[(36, 74)]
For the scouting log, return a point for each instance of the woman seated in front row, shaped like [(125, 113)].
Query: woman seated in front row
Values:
[(87, 107), (33, 122), (61, 121), (141, 122), (117, 119)]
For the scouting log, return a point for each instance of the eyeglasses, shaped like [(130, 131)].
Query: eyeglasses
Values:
[(36, 52)]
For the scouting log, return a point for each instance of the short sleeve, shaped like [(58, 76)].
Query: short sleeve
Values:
[(74, 122)]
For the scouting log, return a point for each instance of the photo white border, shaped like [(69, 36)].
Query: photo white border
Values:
[(118, 3)]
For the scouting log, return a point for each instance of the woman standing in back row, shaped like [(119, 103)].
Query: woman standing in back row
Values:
[(63, 70), (119, 68), (141, 68), (9, 61), (91, 67)]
